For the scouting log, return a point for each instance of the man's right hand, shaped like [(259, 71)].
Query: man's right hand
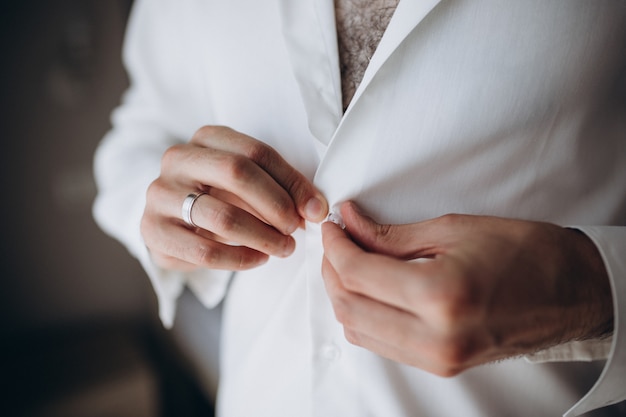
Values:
[(254, 201)]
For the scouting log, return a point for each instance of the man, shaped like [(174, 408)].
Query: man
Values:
[(391, 117)]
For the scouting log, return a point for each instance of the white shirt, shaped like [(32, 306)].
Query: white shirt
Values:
[(514, 109)]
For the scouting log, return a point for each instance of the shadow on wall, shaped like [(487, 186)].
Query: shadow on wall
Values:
[(78, 316)]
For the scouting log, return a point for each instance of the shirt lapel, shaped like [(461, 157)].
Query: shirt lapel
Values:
[(407, 16), (352, 138), (311, 41)]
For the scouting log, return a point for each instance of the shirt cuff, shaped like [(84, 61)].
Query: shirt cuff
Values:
[(609, 388), (587, 350), (208, 285)]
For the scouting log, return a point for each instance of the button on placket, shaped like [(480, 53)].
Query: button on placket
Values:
[(329, 352), (331, 366)]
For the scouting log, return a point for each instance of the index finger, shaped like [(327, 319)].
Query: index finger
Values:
[(309, 202), (391, 281)]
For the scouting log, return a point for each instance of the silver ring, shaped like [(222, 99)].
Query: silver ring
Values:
[(187, 206)]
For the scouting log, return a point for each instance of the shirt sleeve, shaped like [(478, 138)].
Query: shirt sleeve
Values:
[(609, 388), (154, 115)]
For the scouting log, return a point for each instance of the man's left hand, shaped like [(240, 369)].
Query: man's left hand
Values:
[(457, 291)]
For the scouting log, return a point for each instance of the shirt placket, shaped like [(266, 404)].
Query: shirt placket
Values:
[(310, 38)]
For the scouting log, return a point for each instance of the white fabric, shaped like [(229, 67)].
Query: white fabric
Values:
[(514, 109)]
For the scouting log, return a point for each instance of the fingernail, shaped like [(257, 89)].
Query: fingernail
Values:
[(314, 209), (292, 227), (287, 249)]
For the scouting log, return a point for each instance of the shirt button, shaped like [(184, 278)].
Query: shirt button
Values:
[(329, 352)]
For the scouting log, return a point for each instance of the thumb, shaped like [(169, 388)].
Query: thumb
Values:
[(398, 241), (309, 201), (313, 207)]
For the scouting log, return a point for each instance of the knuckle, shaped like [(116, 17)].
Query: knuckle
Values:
[(145, 227), (225, 219), (260, 153), (165, 261), (449, 317), (208, 132), (242, 262), (284, 244), (454, 356), (350, 280), (160, 259), (352, 336), (448, 372), (238, 168), (291, 180), (145, 232), (155, 191), (283, 207), (172, 156), (296, 186), (457, 304), (150, 226), (342, 308), (450, 219), (406, 340), (206, 256), (387, 235), (384, 232)]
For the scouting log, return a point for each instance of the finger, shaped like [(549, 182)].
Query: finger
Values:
[(443, 357), (165, 199), (309, 202), (170, 263), (170, 239), (432, 360), (218, 220), (405, 285), (235, 225), (397, 334), (237, 175), (234, 200), (399, 241), (368, 316)]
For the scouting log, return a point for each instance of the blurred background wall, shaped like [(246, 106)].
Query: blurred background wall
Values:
[(77, 315)]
